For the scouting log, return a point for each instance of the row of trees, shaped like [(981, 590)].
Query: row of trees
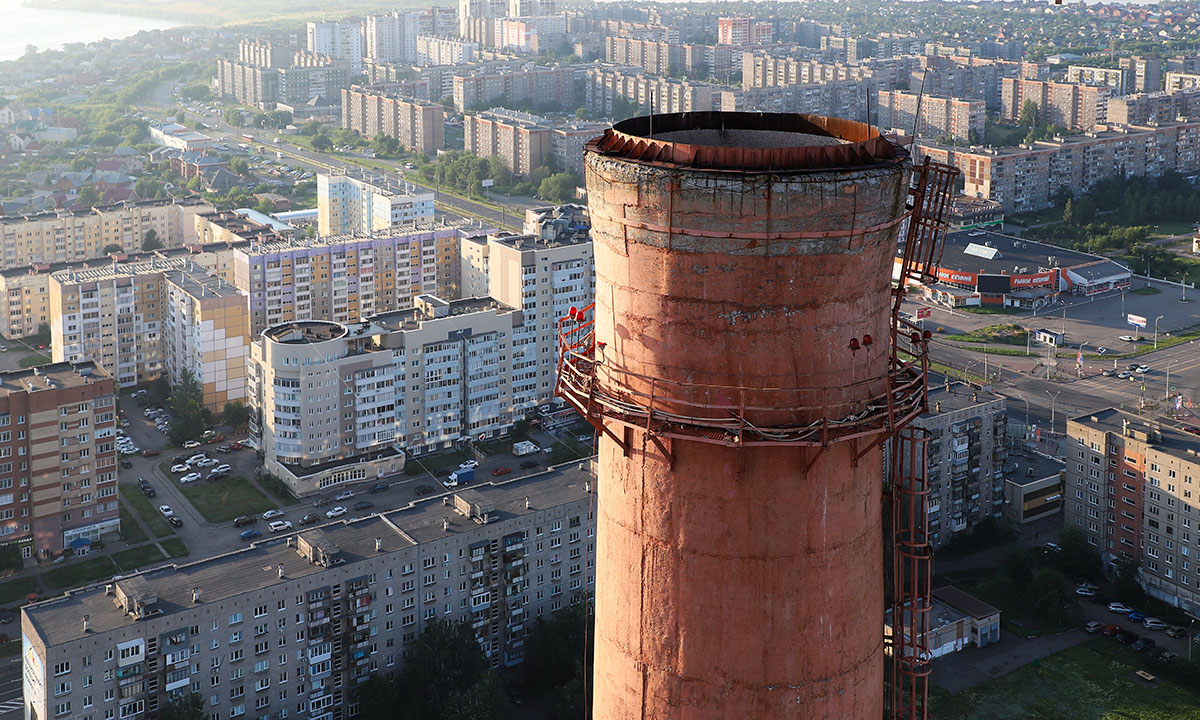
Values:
[(464, 173)]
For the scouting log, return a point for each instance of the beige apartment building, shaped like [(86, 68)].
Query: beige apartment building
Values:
[(538, 85), (1028, 177), (940, 117), (663, 58), (113, 316), (433, 50), (1146, 73), (360, 205), (1176, 81), (524, 141), (207, 332), (67, 236), (1131, 489), (1116, 78), (1154, 107), (606, 83), (58, 459), (1067, 105), (418, 125), (292, 628)]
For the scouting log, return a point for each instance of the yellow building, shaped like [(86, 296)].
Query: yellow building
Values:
[(206, 331)]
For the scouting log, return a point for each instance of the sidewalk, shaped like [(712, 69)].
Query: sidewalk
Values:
[(965, 669)]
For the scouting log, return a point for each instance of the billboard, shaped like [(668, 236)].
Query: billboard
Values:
[(1136, 320), (992, 284), (955, 277), (924, 312), (1045, 278)]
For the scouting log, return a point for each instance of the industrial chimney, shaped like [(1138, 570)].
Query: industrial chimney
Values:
[(743, 293)]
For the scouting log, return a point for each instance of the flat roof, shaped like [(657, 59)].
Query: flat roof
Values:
[(253, 568), (305, 332), (1173, 437), (1015, 256), (53, 376), (1028, 466), (956, 395), (199, 283), (964, 601)]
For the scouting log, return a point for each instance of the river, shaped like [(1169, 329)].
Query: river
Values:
[(51, 29)]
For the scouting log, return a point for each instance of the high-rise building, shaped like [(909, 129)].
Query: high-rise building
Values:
[(1154, 107), (206, 331), (354, 206), (341, 39), (58, 236), (1066, 105), (1116, 78), (1131, 490), (1146, 72), (433, 50), (954, 118), (58, 458), (743, 31), (418, 125), (554, 86), (524, 141), (293, 628), (392, 37)]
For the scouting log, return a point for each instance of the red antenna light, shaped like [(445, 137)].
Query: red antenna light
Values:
[(926, 335), (867, 340), (853, 344)]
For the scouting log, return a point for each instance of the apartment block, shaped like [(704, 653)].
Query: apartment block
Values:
[(1029, 176), (206, 331), (1145, 72), (298, 85), (263, 53), (345, 278), (113, 316), (524, 141), (554, 86), (432, 50), (743, 31), (1131, 489), (391, 37), (439, 21), (1067, 105), (355, 205), (530, 33), (607, 83), (662, 58), (257, 86), (68, 236), (971, 77), (1119, 79), (291, 629), (418, 125), (1154, 107), (770, 69), (58, 459), (940, 117), (847, 49), (967, 450), (841, 98), (248, 84), (1177, 81), (341, 39)]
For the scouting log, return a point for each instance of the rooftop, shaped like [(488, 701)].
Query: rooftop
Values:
[(964, 602), (54, 376), (119, 269), (305, 332), (1012, 255), (198, 283), (256, 567), (535, 242), (953, 395), (1026, 466), (1171, 437)]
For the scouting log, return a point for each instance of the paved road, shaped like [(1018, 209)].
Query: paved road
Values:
[(11, 702)]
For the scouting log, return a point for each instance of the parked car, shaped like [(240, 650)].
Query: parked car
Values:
[(1111, 630), (1085, 591), (196, 459), (175, 521), (378, 488), (250, 534), (1167, 656), (1143, 644), (335, 512), (1093, 626), (5, 617), (149, 453), (180, 459), (222, 468), (1153, 623), (1120, 608), (166, 510), (279, 526), (208, 462), (1176, 632), (310, 518), (218, 475), (1136, 616), (500, 471), (180, 468), (243, 520), (1127, 338), (1125, 637), (272, 514), (364, 505), (189, 444), (468, 465), (190, 478), (344, 495), (1053, 547), (126, 464), (322, 502)]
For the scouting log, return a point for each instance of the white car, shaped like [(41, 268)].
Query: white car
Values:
[(222, 468), (280, 526), (335, 512), (469, 465), (344, 495), (180, 468), (1153, 623), (195, 459), (272, 514), (190, 478), (208, 462), (1142, 369), (1119, 608), (191, 444), (166, 510)]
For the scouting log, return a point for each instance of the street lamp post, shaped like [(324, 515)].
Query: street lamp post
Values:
[(1053, 403), (1167, 394), (1022, 399), (1160, 317)]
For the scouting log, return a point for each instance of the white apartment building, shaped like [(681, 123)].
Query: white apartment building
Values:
[(290, 629), (206, 331), (433, 50), (392, 37), (342, 39), (349, 205)]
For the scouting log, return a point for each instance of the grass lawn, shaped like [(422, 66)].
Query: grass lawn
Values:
[(993, 310), (16, 589), (1168, 229), (1147, 290), (1092, 680), (34, 361), (149, 512), (276, 489), (137, 557), (1007, 334), (175, 547), (131, 532), (223, 500), (73, 574)]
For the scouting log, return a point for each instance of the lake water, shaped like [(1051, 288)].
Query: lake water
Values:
[(51, 29)]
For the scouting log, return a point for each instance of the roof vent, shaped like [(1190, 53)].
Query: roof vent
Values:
[(378, 544), (195, 594), (87, 622), (445, 523), (280, 569), (527, 503)]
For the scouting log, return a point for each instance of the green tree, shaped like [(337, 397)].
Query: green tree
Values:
[(183, 707), (239, 166), (151, 241), (88, 197), (445, 661), (555, 657), (232, 116), (187, 409), (1016, 566), (1126, 586), (1054, 602), (134, 133), (558, 188), (378, 698), (385, 145), (1076, 558), (485, 700), (112, 248), (1030, 112), (321, 142), (310, 128)]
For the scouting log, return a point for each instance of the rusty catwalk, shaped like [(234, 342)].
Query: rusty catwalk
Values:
[(743, 266)]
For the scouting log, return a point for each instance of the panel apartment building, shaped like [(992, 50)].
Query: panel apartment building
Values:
[(291, 629), (524, 141), (58, 458), (206, 331), (357, 205), (67, 236), (1154, 107), (940, 117), (1067, 105), (1028, 177), (553, 86), (341, 39), (433, 50), (1118, 79), (345, 278), (840, 98), (606, 83), (1131, 489), (418, 125)]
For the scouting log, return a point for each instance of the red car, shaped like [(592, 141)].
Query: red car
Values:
[(149, 453), (236, 446), (500, 471), (1111, 630)]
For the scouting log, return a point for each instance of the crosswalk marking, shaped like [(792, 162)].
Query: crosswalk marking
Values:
[(11, 706)]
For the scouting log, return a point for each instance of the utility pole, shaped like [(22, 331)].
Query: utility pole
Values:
[(1160, 317), (1053, 402)]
